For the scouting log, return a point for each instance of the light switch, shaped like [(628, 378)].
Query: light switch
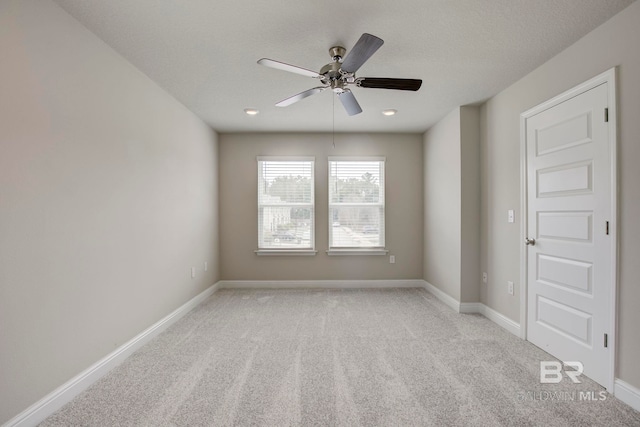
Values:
[(511, 215)]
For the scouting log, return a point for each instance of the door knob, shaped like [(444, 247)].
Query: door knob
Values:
[(530, 242)]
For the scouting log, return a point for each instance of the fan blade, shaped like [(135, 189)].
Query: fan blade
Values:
[(366, 46), (302, 95), (386, 83), (290, 68), (349, 102)]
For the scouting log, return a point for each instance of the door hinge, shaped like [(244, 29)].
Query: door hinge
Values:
[(606, 114), (606, 340), (607, 227)]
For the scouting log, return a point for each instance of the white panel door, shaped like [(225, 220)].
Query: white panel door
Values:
[(569, 204)]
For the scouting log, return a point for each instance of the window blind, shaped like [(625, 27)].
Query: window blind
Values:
[(356, 203), (285, 203)]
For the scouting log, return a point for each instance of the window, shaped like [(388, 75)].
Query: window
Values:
[(356, 205), (285, 205)]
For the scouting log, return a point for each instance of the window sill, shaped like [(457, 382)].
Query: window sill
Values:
[(286, 252), (340, 252)]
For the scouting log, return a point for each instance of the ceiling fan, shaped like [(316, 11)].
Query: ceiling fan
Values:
[(339, 74)]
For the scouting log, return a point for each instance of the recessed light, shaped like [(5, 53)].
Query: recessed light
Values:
[(251, 111), (389, 112)]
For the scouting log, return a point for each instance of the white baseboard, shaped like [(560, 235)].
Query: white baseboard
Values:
[(55, 400), (320, 284), (627, 393), (442, 296), (474, 307), (500, 319)]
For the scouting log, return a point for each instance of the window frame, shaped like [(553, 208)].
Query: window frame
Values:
[(375, 250), (285, 251)]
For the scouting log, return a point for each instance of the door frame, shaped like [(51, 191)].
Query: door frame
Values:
[(608, 77)]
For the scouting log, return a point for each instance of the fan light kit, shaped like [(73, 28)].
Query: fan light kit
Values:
[(389, 112), (251, 111), (340, 74)]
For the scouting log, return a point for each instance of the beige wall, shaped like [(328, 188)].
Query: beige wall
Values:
[(238, 207), (470, 204), (451, 151), (442, 204), (614, 43), (108, 196)]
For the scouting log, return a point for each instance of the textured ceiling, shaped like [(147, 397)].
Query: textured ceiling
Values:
[(204, 53)]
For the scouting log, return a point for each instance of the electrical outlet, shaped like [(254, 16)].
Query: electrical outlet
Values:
[(510, 287), (485, 278), (392, 259), (206, 266), (193, 272), (511, 217)]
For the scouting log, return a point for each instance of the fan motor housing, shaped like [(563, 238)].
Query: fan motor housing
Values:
[(332, 69), (331, 72)]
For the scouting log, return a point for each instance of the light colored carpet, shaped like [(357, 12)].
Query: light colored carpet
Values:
[(336, 358)]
